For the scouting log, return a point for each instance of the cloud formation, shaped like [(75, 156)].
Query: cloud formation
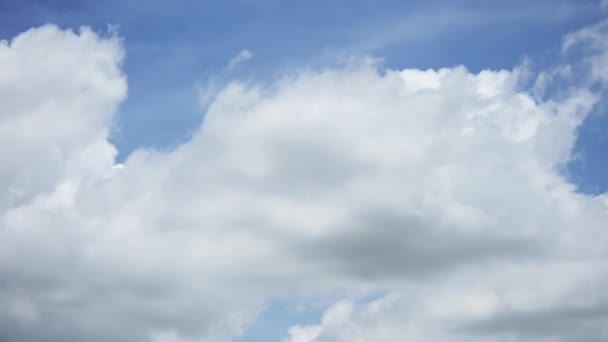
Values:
[(242, 57), (440, 187)]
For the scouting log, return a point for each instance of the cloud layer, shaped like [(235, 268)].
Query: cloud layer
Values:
[(441, 188)]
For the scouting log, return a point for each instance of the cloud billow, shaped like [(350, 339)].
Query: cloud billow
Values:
[(440, 187)]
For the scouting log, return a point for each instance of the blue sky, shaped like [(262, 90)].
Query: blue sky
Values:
[(175, 48)]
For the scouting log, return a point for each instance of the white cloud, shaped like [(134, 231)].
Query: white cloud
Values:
[(59, 92), (439, 186), (242, 57), (593, 40)]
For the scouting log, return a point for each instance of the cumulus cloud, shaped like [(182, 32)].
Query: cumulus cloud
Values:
[(59, 92), (441, 187)]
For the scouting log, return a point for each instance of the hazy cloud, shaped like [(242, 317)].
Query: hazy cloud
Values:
[(242, 57)]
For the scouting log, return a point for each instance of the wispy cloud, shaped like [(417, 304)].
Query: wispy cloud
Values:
[(242, 57)]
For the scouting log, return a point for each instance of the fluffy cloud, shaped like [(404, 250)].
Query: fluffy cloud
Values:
[(439, 186), (552, 294), (59, 92)]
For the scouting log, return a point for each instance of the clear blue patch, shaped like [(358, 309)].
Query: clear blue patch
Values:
[(279, 316), (282, 313), (589, 169)]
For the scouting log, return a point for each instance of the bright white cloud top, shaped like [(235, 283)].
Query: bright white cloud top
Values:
[(441, 188)]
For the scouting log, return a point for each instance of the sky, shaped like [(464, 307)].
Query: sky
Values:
[(303, 171)]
